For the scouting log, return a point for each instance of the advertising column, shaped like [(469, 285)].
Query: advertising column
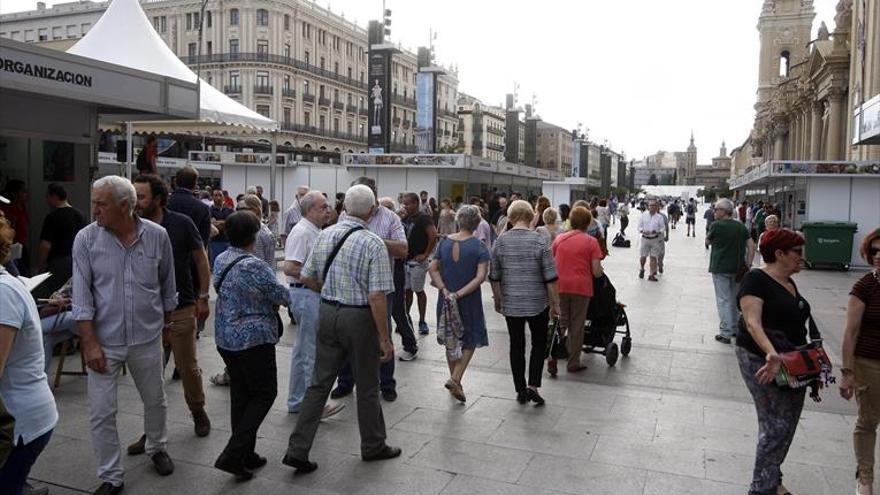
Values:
[(426, 116), (379, 119)]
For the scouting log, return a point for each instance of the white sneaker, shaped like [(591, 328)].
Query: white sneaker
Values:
[(408, 356)]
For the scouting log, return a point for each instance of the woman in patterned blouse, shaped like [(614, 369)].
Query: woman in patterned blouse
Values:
[(246, 331)]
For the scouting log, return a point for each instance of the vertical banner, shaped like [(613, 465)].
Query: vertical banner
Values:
[(379, 98), (575, 158), (426, 116)]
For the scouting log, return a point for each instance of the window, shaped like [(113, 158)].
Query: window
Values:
[(286, 51), (29, 35), (262, 49), (322, 122), (191, 50), (262, 79), (348, 127), (322, 63), (287, 22), (262, 17), (349, 72), (210, 80), (56, 33), (233, 46), (263, 110), (43, 34), (196, 20), (208, 18), (233, 17), (335, 95), (321, 91), (210, 47), (306, 30), (335, 125), (234, 79), (336, 67), (189, 21), (71, 31), (307, 119), (286, 82), (349, 99), (362, 76), (784, 63), (305, 87), (307, 57), (286, 114), (163, 24)]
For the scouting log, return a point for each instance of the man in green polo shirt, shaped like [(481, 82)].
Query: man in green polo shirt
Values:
[(731, 247)]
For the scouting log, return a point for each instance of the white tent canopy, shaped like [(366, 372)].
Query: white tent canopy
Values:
[(124, 36)]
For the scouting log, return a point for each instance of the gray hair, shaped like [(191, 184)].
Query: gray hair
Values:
[(359, 200), (726, 205), (389, 203), (308, 201), (468, 218), (251, 190), (123, 189)]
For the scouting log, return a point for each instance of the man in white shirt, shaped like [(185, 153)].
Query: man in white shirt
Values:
[(294, 214), (315, 213), (652, 228)]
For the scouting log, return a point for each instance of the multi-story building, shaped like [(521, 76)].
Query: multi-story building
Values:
[(290, 60), (553, 147), (481, 128)]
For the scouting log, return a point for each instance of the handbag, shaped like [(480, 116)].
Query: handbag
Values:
[(556, 346), (806, 365), (450, 329)]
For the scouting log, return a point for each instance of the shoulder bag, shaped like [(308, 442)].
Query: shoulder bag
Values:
[(806, 365), (336, 249)]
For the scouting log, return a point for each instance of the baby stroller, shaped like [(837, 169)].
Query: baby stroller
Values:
[(604, 316)]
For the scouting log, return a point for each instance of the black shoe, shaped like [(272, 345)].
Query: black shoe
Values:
[(521, 397), (175, 375), (340, 392), (162, 463), (387, 452), (642, 273), (108, 488), (389, 395), (138, 447), (234, 467), (722, 339), (532, 395), (254, 461), (302, 467)]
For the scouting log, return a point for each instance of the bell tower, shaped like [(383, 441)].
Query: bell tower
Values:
[(784, 28)]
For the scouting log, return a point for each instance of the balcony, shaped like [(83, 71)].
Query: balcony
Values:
[(262, 57), (324, 102), (497, 132), (288, 92), (495, 147), (351, 109), (232, 90), (395, 121), (309, 97), (363, 111), (338, 105), (325, 133), (406, 102), (263, 90), (406, 124)]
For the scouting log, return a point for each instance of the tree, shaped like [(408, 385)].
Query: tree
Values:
[(652, 180)]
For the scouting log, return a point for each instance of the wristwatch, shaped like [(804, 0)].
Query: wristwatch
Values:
[(204, 296)]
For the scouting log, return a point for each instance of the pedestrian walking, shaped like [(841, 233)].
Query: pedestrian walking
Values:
[(349, 265), (732, 251), (56, 240), (219, 213), (652, 227), (304, 301), (690, 218), (24, 388), (458, 270), (293, 214), (624, 217), (124, 294), (421, 236), (578, 261), (246, 329), (523, 275), (180, 334), (265, 247), (709, 217), (861, 362), (551, 227), (774, 320), (446, 220)]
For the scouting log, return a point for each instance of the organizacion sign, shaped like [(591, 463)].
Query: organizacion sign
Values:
[(45, 72)]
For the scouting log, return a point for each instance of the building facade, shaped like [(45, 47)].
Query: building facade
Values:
[(290, 60), (481, 128), (553, 147)]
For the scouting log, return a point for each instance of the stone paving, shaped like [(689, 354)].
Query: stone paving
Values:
[(672, 418)]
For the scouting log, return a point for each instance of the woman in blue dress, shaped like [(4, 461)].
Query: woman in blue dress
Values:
[(458, 270)]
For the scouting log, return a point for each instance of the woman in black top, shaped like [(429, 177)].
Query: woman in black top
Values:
[(774, 320)]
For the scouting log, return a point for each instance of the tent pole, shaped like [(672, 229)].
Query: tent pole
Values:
[(273, 166), (129, 150)]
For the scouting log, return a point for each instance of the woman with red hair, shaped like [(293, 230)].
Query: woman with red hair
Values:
[(861, 361), (774, 320)]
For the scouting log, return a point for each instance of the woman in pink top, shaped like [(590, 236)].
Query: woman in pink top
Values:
[(578, 259)]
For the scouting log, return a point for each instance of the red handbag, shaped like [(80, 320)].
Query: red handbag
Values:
[(806, 365)]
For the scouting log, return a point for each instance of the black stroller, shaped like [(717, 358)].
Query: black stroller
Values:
[(604, 316)]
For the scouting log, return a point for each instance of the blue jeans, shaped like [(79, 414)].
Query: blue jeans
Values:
[(215, 248), (304, 307), (14, 473), (725, 299), (345, 379), (56, 328)]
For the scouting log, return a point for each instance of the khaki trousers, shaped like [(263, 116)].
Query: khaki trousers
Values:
[(572, 316), (867, 375), (182, 338)]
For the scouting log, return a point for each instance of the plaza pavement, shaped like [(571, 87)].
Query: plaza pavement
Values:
[(672, 418)]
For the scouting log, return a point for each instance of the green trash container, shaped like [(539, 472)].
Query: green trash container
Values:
[(828, 243)]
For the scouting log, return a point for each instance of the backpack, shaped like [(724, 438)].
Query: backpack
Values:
[(620, 241), (141, 162)]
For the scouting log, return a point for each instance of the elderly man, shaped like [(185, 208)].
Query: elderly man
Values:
[(124, 294), (304, 301), (731, 247), (652, 227), (294, 213), (353, 322), (387, 225)]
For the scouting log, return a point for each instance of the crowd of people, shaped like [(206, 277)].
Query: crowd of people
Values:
[(134, 285)]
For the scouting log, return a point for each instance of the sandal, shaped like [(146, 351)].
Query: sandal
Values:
[(455, 390)]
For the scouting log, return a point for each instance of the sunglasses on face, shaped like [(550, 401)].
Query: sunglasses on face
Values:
[(872, 251)]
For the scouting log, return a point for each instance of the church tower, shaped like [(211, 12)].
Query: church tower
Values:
[(785, 27), (691, 162)]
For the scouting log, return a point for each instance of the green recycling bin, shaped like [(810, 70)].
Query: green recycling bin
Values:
[(828, 243)]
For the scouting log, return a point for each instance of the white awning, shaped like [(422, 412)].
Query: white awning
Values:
[(125, 37)]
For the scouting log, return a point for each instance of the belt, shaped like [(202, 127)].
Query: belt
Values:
[(297, 285), (651, 236), (340, 305)]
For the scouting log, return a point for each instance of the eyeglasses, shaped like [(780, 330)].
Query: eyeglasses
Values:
[(872, 251)]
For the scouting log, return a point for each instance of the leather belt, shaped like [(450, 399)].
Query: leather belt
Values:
[(297, 285), (341, 305)]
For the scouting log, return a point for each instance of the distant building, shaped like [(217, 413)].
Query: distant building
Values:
[(553, 147), (481, 128)]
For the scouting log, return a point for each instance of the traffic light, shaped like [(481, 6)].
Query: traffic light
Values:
[(387, 22)]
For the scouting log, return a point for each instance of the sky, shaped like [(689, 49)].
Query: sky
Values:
[(639, 74)]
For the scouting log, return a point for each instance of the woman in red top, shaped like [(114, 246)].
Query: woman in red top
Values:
[(578, 259), (861, 362)]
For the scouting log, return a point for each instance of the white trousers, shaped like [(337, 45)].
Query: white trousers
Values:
[(144, 363)]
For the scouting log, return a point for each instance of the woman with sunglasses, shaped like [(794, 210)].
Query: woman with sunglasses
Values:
[(774, 319), (861, 362)]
